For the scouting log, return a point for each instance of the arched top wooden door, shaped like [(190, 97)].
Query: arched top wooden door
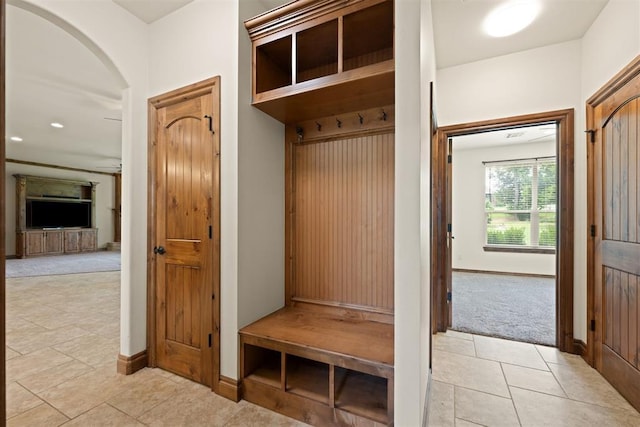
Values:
[(616, 213)]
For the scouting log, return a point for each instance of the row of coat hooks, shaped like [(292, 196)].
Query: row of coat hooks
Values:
[(361, 119)]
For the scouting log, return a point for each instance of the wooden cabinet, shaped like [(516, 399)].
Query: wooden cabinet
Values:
[(325, 68), (307, 55), (54, 216)]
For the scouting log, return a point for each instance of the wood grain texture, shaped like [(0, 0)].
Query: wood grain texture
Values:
[(3, 390), (344, 221), (613, 280), (127, 365), (184, 219)]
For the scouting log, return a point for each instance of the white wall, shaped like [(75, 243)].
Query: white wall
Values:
[(468, 211), (261, 212), (104, 199), (411, 253), (611, 43), (196, 42), (124, 51)]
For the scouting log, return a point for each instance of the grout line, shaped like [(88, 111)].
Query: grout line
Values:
[(513, 404), (24, 412)]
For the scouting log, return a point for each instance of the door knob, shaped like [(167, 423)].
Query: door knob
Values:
[(159, 250)]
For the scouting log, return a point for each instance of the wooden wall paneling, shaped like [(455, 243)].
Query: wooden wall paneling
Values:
[(340, 221), (338, 239), (3, 389)]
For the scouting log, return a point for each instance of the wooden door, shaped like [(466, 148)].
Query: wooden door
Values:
[(35, 242), (54, 242), (71, 241), (186, 235), (88, 240), (449, 254), (616, 175)]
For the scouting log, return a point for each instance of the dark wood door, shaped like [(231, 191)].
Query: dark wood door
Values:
[(617, 241), (449, 254), (186, 229)]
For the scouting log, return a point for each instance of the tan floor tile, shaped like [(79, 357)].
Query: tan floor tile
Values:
[(91, 349), (104, 416), (38, 361), (42, 416), (80, 394), (552, 354), (464, 423), (142, 391), (469, 372), (16, 323), (10, 354), (53, 376), (251, 415), (532, 379), (582, 382), (194, 405), (441, 412), (33, 341), (453, 345), (537, 409), (20, 400), (456, 334), (513, 352), (484, 409)]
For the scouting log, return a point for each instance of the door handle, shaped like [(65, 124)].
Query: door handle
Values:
[(159, 250)]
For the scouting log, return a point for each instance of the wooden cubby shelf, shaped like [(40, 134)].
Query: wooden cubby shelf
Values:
[(326, 69), (336, 48), (298, 360)]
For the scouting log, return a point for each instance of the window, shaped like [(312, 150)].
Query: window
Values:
[(520, 204)]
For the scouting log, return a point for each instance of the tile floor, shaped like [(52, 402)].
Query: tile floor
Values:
[(487, 381), (62, 344)]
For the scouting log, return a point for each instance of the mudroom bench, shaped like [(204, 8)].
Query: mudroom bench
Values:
[(323, 367)]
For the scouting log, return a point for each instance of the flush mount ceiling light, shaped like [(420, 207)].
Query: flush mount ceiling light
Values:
[(57, 125), (16, 139), (511, 17)]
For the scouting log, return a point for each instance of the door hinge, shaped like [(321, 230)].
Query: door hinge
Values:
[(593, 325), (593, 230), (449, 159), (449, 296), (209, 340), (449, 228), (210, 232), (592, 134)]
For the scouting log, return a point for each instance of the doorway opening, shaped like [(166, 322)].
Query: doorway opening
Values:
[(503, 238), (501, 229)]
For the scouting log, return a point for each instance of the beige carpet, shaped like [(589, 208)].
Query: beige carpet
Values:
[(63, 264)]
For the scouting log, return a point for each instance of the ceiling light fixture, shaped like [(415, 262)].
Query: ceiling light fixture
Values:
[(57, 125), (511, 17), (16, 139)]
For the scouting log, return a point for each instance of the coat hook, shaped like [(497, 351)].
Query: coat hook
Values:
[(319, 126), (339, 123), (361, 118), (384, 115)]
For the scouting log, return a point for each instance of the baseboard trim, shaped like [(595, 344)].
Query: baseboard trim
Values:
[(128, 365), (229, 388), (427, 401), (580, 348), (505, 273)]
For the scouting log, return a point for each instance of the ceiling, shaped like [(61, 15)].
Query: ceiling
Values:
[(500, 138), (52, 77), (459, 37)]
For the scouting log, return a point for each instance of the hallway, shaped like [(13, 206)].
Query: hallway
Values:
[(487, 381)]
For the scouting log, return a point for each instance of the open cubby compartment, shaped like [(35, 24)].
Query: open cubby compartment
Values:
[(262, 365), (317, 51), (307, 378), (273, 65), (368, 36), (361, 394)]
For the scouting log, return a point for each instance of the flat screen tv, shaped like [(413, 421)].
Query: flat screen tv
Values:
[(54, 213)]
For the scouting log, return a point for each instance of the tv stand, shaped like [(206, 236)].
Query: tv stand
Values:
[(53, 238)]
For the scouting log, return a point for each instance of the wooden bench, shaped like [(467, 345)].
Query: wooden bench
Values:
[(320, 367)]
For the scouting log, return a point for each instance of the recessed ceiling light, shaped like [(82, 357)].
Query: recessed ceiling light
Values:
[(511, 17), (57, 125), (16, 139)]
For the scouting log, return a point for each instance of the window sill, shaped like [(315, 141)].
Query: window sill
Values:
[(519, 249)]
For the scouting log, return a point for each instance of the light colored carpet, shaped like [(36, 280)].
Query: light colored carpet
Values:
[(63, 264), (513, 307)]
